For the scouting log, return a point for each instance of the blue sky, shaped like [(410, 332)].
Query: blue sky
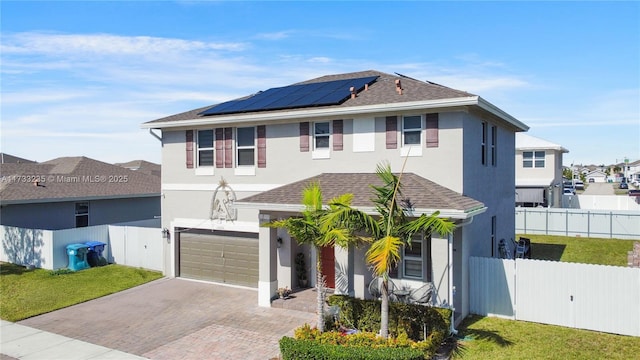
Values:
[(78, 78)]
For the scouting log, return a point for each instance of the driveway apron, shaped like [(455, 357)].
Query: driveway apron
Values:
[(177, 319)]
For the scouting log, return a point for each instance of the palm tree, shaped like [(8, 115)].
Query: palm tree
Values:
[(319, 228), (394, 230)]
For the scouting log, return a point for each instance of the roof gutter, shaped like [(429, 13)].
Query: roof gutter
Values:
[(447, 214), (338, 111), (77, 198)]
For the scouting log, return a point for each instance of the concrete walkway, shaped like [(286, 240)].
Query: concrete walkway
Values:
[(165, 319), (23, 342)]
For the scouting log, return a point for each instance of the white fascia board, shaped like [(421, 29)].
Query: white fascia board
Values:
[(489, 107), (77, 198), (337, 112), (445, 214)]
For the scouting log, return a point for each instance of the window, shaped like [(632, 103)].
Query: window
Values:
[(411, 136), (321, 134), (532, 159), (82, 214), (411, 130), (205, 148), (494, 140), (412, 259), (246, 146), (483, 154)]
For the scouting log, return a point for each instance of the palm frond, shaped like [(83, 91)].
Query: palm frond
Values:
[(384, 254), (428, 224)]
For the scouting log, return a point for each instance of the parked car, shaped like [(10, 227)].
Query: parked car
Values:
[(592, 180), (623, 185), (568, 191), (578, 185)]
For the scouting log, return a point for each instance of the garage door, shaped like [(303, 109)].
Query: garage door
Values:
[(224, 257)]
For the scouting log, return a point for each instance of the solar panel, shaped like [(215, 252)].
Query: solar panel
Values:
[(294, 96)]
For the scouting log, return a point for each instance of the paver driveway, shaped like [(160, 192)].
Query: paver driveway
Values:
[(177, 319)]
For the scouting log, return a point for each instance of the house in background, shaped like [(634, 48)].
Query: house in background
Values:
[(538, 166), (70, 192), (142, 166), (598, 176), (11, 159), (229, 167)]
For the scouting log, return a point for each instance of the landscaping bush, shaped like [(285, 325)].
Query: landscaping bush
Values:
[(407, 319), (294, 349)]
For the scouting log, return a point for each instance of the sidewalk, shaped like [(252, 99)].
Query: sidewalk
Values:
[(25, 343)]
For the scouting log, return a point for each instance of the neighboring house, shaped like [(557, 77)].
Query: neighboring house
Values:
[(229, 167), (142, 166), (11, 159), (538, 172), (596, 176), (70, 192)]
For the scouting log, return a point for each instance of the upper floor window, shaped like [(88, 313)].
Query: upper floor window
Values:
[(483, 145), (411, 135), (205, 148), (246, 146), (321, 132), (494, 141), (533, 159), (82, 214)]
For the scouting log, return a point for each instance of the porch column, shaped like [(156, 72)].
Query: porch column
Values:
[(344, 271), (267, 271)]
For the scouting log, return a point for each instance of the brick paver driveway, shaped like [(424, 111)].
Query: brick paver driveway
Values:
[(177, 319)]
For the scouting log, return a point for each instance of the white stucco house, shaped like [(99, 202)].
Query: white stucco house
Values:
[(538, 165), (227, 168)]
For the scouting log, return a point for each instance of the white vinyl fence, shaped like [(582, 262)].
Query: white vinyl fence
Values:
[(577, 222), (47, 249), (592, 297)]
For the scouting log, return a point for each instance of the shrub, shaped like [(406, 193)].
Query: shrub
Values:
[(293, 349)]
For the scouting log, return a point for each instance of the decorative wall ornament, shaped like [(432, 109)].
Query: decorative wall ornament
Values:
[(222, 204)]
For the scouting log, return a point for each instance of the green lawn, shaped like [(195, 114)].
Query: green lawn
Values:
[(26, 293), (580, 250), (496, 339)]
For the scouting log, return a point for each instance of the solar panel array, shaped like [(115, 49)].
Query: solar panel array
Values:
[(294, 96)]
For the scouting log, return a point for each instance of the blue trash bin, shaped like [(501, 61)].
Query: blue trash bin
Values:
[(94, 255), (77, 256)]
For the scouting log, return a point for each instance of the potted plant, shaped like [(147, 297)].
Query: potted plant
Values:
[(283, 292), (301, 270)]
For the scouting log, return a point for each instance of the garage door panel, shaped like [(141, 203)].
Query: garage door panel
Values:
[(220, 258)]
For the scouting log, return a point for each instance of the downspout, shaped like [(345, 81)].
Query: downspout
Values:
[(155, 135), (452, 288)]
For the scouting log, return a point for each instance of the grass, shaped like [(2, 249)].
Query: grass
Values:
[(580, 250), (26, 293), (496, 339)]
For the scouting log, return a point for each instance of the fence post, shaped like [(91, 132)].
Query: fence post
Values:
[(566, 223), (610, 224), (588, 223), (546, 222), (525, 220)]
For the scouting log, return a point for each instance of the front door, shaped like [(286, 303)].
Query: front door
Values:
[(328, 266)]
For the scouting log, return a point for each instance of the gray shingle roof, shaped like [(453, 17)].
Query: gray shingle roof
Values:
[(423, 194), (383, 91), (72, 178)]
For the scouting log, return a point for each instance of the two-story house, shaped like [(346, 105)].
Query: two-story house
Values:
[(229, 167), (538, 172)]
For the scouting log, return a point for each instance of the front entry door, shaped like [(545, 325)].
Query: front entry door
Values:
[(328, 266)]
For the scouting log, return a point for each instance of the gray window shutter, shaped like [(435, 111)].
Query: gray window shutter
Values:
[(392, 132), (262, 146), (432, 130), (189, 146), (228, 147), (304, 137), (220, 148), (337, 135)]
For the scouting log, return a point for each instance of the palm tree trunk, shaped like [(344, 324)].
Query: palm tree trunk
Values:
[(319, 289), (384, 309)]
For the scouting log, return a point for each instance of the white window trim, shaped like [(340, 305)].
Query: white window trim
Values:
[(206, 169), (246, 169), (414, 258), (413, 149), (322, 153), (533, 159), (75, 218)]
